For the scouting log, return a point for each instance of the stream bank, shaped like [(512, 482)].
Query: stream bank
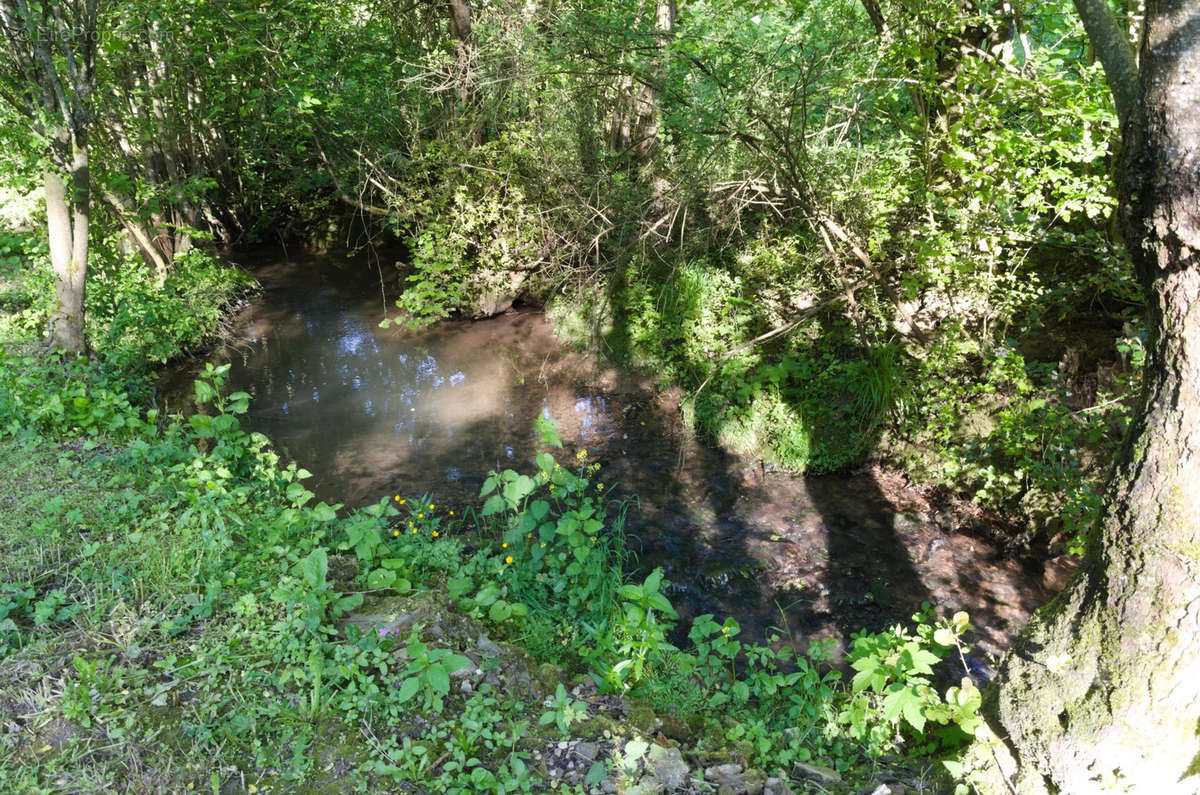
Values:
[(373, 412)]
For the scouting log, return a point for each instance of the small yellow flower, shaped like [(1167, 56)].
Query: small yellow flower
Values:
[(432, 506), (396, 498), (508, 559), (504, 545), (401, 501), (436, 533), (410, 524), (420, 516), (395, 533), (414, 530), (543, 543), (452, 513), (529, 535)]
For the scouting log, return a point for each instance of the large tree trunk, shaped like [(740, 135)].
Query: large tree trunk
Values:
[(1102, 690), (67, 228)]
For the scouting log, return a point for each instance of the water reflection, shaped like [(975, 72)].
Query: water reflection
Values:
[(373, 412)]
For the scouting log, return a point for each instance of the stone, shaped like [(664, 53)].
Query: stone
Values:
[(487, 647), (904, 523), (668, 766), (754, 781), (777, 786), (886, 789), (819, 773), (676, 729), (726, 778), (587, 751)]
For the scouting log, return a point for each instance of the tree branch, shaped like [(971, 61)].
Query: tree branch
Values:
[(1115, 52)]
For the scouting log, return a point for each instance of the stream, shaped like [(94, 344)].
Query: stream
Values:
[(373, 412)]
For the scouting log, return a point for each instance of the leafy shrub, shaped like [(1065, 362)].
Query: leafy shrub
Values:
[(135, 323)]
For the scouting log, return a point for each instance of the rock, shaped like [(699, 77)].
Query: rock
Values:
[(487, 647), (669, 768), (641, 716), (647, 786), (777, 786), (754, 781), (886, 789), (390, 616), (587, 751), (904, 523), (728, 779), (466, 686), (819, 773), (676, 729)]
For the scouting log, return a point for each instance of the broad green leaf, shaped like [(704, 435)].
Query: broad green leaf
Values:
[(494, 504), (408, 689), (380, 578), (323, 512), (439, 680), (316, 568)]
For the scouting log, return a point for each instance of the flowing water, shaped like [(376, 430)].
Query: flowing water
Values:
[(373, 412)]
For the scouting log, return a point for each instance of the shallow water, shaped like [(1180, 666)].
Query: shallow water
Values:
[(373, 412)]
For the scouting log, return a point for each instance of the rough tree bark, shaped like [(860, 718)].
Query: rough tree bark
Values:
[(1102, 690)]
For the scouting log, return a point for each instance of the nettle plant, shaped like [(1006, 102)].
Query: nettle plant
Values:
[(560, 551)]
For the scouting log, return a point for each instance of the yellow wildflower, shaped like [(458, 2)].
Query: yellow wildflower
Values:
[(508, 559), (504, 545), (420, 516), (436, 533), (395, 533)]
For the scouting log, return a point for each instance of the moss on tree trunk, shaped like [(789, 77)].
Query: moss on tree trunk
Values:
[(1101, 692)]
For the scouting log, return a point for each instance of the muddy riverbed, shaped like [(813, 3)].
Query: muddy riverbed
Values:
[(373, 412)]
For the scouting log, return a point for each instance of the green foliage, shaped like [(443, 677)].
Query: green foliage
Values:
[(474, 232), (894, 672), (559, 553), (428, 673), (135, 323), (563, 711), (64, 398)]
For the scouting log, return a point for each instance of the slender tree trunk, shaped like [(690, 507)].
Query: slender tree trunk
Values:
[(67, 228), (1101, 693), (649, 96)]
